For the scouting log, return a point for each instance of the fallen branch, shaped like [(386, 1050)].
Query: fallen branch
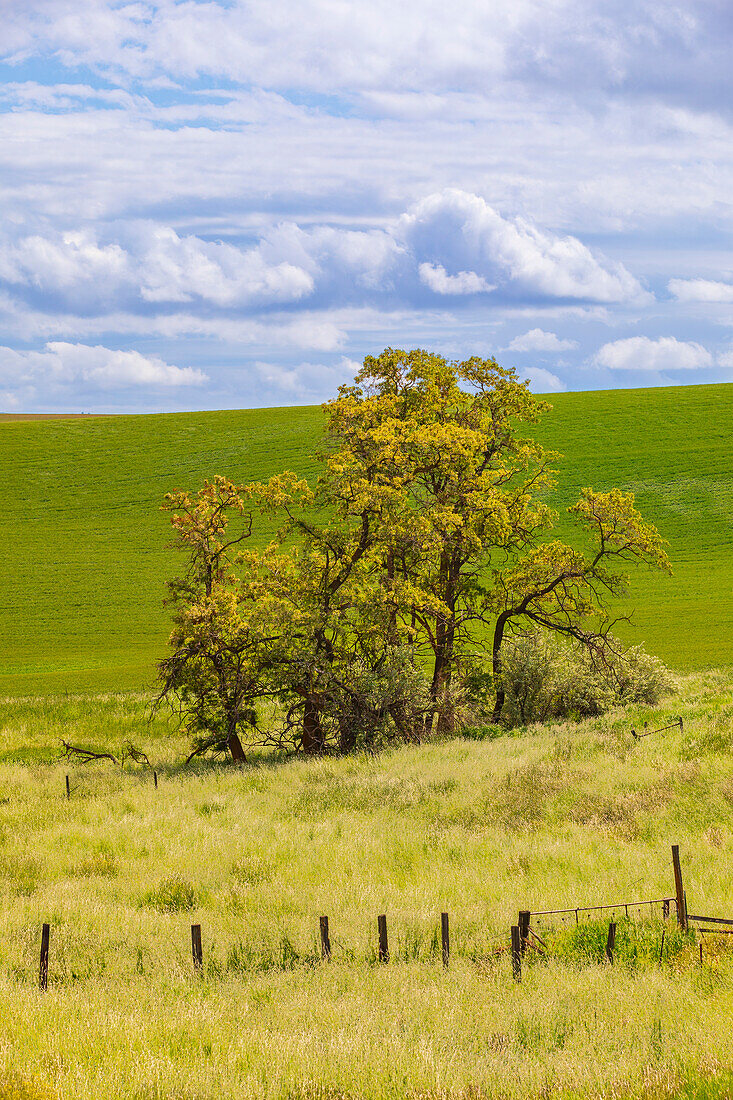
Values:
[(87, 756), (129, 752)]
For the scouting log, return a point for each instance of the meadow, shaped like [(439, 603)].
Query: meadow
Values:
[(84, 541), (547, 817)]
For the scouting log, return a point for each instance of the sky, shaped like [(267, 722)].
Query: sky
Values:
[(229, 204)]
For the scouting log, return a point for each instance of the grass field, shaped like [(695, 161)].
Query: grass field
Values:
[(83, 540), (544, 818)]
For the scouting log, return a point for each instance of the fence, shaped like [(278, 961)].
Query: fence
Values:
[(522, 935)]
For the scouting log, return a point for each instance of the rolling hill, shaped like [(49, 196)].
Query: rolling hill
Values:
[(84, 557)]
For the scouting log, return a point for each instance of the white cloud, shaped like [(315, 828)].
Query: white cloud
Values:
[(461, 231), (539, 340), (437, 279), (305, 381), (643, 354), (64, 263), (700, 290), (62, 364), (543, 381), (175, 269)]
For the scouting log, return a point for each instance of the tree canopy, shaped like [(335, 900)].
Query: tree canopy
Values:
[(424, 544)]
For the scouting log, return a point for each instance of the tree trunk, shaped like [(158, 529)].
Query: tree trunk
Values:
[(313, 739), (497, 667), (445, 636), (235, 747)]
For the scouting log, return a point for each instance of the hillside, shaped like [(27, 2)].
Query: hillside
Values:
[(557, 817), (83, 539)]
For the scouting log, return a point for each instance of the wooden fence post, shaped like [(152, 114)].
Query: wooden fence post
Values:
[(325, 939), (516, 954), (524, 916), (68, 788), (611, 941), (383, 943), (679, 889), (155, 780), (196, 950), (43, 969), (445, 937)]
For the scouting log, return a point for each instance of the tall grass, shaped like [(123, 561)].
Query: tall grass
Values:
[(543, 818)]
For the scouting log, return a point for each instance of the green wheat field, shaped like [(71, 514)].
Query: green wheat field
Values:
[(84, 541), (548, 817)]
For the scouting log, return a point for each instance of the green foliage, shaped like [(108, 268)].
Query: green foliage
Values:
[(547, 678), (638, 944)]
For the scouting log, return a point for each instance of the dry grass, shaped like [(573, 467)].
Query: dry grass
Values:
[(543, 818)]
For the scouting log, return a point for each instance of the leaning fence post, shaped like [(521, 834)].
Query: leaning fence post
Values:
[(43, 969), (155, 780), (196, 950), (679, 889), (383, 944), (445, 937), (524, 916), (325, 939), (516, 954), (611, 941)]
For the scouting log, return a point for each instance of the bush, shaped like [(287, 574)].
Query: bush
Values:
[(545, 677), (173, 895)]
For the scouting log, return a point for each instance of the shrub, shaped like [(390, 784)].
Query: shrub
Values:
[(545, 677)]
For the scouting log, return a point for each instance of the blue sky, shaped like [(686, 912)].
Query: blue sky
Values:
[(223, 205)]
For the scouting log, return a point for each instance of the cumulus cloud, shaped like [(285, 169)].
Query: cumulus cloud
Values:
[(543, 381), (539, 340), (438, 280), (700, 290), (459, 231), (305, 381), (175, 269), (62, 364), (643, 354), (62, 264), (452, 243)]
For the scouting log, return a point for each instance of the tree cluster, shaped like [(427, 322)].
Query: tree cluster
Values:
[(395, 581)]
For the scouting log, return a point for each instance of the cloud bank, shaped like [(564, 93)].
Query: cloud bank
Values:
[(248, 196)]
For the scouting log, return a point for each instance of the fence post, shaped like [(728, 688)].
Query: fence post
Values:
[(611, 941), (524, 916), (43, 969), (679, 890), (155, 780), (325, 939), (68, 788), (516, 954), (196, 950), (445, 937), (383, 944)]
